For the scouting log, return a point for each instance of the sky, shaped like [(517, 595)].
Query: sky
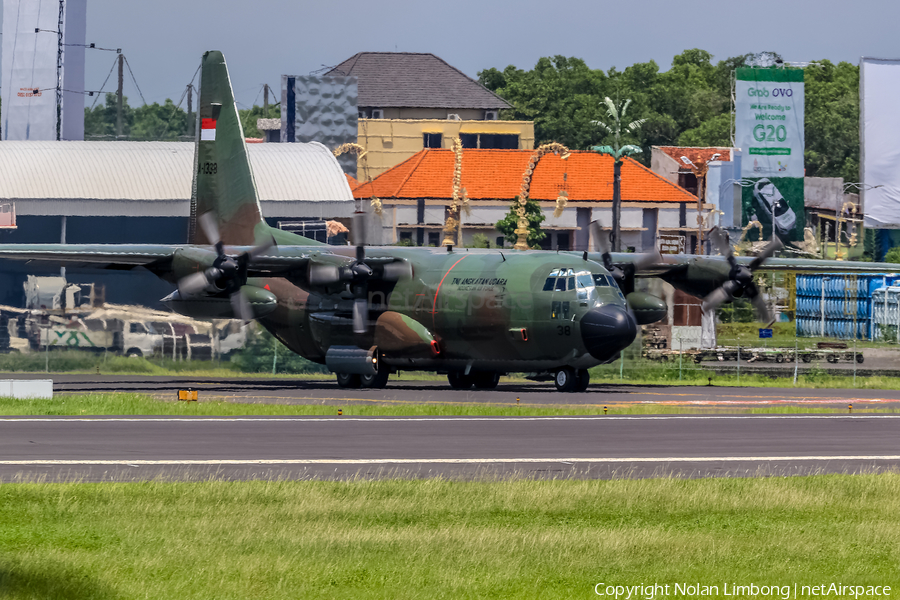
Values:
[(263, 40)]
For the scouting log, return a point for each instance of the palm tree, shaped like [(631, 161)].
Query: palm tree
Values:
[(618, 152)]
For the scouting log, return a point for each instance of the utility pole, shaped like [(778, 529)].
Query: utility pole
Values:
[(59, 68), (265, 101), (617, 206), (119, 101), (190, 107)]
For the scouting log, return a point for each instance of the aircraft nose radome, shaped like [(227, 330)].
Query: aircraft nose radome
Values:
[(606, 330)]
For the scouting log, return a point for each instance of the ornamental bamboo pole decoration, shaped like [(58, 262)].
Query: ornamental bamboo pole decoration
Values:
[(459, 200), (360, 154), (521, 230)]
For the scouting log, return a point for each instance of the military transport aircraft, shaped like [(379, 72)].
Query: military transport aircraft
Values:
[(368, 311)]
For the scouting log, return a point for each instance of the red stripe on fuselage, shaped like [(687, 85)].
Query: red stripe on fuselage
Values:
[(438, 290), (207, 124)]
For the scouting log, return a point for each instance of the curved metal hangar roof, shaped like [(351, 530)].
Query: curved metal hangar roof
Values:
[(154, 179)]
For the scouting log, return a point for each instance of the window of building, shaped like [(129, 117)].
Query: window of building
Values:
[(547, 241), (562, 241), (406, 237), (469, 140), (434, 238), (490, 141), (431, 140), (500, 241), (498, 141)]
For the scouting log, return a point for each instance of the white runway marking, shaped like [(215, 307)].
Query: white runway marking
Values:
[(451, 461), (336, 419)]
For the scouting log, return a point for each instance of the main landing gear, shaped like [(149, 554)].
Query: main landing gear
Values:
[(376, 381), (480, 380), (568, 379)]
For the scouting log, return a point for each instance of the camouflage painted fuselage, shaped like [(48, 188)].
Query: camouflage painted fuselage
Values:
[(480, 309)]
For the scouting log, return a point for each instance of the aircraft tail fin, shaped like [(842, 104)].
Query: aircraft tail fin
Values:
[(223, 182)]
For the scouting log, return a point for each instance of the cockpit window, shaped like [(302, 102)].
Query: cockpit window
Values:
[(602, 280), (566, 280)]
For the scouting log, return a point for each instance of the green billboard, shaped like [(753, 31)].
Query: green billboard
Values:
[(769, 130)]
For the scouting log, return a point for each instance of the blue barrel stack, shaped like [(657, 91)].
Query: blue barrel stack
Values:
[(846, 302)]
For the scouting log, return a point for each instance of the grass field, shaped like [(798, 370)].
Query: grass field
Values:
[(137, 404), (443, 539)]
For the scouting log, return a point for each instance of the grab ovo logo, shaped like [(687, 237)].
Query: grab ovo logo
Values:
[(758, 92)]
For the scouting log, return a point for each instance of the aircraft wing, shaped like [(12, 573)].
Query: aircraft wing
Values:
[(156, 258), (114, 256), (672, 262)]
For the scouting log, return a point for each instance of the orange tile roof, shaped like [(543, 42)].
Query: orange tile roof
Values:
[(497, 174), (254, 140), (695, 154), (353, 182)]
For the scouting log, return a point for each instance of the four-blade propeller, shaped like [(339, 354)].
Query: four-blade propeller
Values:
[(227, 275), (740, 278), (356, 274)]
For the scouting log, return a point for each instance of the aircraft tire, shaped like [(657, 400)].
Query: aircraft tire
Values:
[(348, 380), (584, 378), (378, 380), (485, 380), (459, 380), (565, 379)]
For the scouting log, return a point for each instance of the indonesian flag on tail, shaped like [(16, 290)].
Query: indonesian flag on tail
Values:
[(207, 130)]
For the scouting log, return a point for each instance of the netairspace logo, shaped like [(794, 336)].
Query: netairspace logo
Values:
[(785, 592)]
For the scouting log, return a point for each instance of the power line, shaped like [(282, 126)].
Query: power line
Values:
[(104, 82), (93, 46), (134, 80), (261, 87)]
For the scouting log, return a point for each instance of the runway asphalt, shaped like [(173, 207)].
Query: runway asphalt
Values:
[(326, 391), (140, 448)]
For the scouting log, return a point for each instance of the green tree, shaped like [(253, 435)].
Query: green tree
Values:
[(156, 122), (560, 95), (689, 104), (893, 255), (250, 115), (832, 120), (100, 122), (508, 224), (715, 131)]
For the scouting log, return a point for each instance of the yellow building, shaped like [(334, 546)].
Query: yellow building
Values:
[(410, 101), (388, 142)]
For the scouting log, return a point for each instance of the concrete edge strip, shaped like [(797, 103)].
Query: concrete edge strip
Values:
[(393, 461)]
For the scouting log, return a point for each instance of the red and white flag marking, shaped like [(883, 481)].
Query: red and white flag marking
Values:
[(207, 130)]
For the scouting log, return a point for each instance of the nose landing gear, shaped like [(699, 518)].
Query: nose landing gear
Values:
[(568, 379)]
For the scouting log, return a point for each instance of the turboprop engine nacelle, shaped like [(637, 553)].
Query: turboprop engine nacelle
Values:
[(647, 308), (261, 302)]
